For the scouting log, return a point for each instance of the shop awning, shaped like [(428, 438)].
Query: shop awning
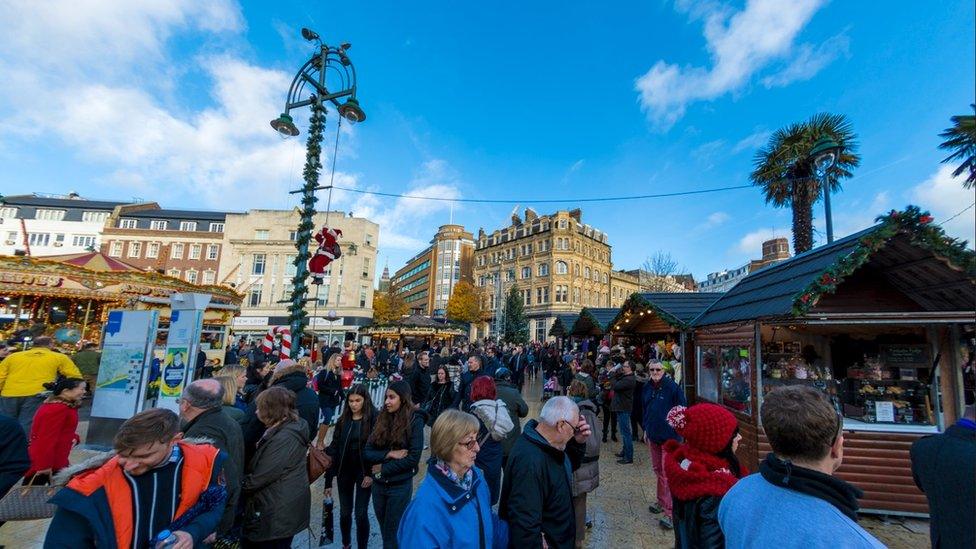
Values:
[(651, 312), (416, 326), (594, 321), (563, 324), (904, 256)]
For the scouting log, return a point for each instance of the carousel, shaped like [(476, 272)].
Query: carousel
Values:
[(69, 296), (415, 332)]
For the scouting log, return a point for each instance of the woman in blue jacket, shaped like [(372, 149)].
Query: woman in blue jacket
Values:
[(452, 507)]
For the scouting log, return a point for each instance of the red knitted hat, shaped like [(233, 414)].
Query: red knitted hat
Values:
[(707, 427)]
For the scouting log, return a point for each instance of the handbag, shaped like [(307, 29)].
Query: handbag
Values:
[(318, 463), (28, 502)]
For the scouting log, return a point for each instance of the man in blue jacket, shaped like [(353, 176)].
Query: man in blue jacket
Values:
[(660, 394), (154, 482)]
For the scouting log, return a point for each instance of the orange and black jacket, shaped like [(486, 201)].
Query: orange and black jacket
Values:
[(97, 507)]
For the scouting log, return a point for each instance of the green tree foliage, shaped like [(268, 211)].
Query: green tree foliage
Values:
[(516, 326), (961, 140)]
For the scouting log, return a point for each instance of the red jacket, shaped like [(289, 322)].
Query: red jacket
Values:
[(51, 437)]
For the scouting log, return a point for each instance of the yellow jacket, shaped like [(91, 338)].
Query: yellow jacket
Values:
[(24, 373)]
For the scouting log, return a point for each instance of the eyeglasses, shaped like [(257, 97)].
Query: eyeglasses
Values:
[(576, 428), (655, 369), (471, 444), (840, 428)]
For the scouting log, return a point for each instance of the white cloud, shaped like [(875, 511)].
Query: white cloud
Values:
[(740, 43), (716, 219), (751, 244), (752, 141), (809, 60), (944, 196)]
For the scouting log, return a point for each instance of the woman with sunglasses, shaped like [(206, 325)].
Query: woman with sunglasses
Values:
[(700, 471), (452, 507)]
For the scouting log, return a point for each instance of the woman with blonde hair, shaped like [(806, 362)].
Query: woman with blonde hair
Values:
[(239, 375), (328, 385), (229, 385), (453, 503)]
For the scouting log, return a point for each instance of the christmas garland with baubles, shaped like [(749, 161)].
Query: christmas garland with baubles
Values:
[(914, 223)]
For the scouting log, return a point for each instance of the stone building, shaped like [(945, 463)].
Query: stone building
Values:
[(259, 262), (558, 263), (184, 244), (773, 251), (622, 284), (55, 225), (428, 278)]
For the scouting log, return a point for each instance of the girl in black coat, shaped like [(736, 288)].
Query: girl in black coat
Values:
[(441, 395), (394, 450), (349, 466)]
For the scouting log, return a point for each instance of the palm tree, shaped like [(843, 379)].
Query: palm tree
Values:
[(961, 140), (784, 170)]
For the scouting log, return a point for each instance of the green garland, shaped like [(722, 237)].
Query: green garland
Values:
[(914, 223), (297, 316)]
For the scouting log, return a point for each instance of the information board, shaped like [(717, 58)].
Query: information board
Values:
[(123, 369)]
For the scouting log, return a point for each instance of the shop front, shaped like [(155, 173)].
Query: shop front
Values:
[(658, 327), (561, 327), (881, 321), (592, 324)]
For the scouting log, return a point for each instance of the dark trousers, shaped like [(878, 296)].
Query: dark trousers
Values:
[(22, 409), (349, 489), (389, 503), (280, 543), (609, 420), (626, 436)]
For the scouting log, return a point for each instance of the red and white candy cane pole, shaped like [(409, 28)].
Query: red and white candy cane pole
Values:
[(268, 344)]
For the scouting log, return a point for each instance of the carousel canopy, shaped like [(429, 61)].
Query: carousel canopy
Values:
[(594, 321), (563, 324), (93, 261), (416, 325), (903, 264)]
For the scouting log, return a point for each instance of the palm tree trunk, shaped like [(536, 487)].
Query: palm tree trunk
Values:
[(802, 205)]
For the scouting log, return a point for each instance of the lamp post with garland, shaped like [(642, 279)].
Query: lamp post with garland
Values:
[(309, 89)]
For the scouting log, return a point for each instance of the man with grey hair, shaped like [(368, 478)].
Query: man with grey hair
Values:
[(537, 491), (203, 418)]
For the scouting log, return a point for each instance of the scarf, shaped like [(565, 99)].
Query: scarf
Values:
[(462, 483), (833, 490)]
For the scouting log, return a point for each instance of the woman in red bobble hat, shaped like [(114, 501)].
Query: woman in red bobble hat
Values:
[(700, 471)]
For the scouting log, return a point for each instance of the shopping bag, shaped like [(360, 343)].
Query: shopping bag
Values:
[(328, 522)]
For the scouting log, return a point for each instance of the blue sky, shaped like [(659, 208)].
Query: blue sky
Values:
[(555, 100)]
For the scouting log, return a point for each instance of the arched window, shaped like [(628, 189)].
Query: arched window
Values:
[(576, 269), (562, 268), (604, 278), (586, 272)]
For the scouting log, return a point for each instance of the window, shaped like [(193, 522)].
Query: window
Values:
[(213, 250), (195, 250), (562, 294), (258, 265), (83, 240), (510, 275), (540, 330), (323, 295), (542, 295), (723, 376), (128, 223), (576, 295), (365, 267), (562, 268), (176, 251), (262, 234), (527, 297), (158, 224), (209, 277), (49, 215), (116, 250), (369, 239), (191, 276), (362, 296), (290, 268), (562, 223), (596, 276), (38, 239), (293, 235), (94, 217), (543, 269), (188, 225), (152, 250), (135, 249), (586, 273), (8, 212), (254, 295), (526, 272), (175, 273)]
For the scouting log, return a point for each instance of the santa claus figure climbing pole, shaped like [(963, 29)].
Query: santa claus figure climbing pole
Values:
[(327, 252)]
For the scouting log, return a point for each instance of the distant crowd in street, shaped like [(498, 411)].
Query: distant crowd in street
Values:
[(234, 466)]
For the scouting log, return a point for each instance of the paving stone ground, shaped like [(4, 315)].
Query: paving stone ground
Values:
[(618, 508)]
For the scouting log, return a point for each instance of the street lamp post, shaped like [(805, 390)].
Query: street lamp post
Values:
[(309, 89), (824, 155)]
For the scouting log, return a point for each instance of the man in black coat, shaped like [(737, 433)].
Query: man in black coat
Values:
[(944, 467), (624, 383), (203, 418), (419, 379), (14, 461), (475, 370), (537, 489), (517, 364)]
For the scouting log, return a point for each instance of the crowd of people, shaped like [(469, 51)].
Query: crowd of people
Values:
[(232, 466)]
